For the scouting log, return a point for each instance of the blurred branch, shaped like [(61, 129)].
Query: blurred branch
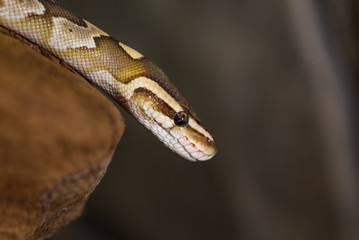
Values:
[(329, 52), (345, 22)]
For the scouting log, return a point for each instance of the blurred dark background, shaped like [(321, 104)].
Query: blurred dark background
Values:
[(276, 83)]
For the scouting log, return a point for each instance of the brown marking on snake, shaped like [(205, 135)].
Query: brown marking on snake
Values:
[(53, 10), (157, 103)]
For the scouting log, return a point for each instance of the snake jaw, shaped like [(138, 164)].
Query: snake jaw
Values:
[(189, 145), (192, 147)]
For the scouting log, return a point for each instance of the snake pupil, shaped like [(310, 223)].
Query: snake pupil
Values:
[(181, 119)]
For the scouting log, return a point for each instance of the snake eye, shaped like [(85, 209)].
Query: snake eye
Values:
[(181, 119)]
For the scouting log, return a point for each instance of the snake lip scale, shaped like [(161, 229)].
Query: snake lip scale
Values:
[(131, 79)]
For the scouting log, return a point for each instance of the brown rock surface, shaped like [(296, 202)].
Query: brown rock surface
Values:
[(57, 136)]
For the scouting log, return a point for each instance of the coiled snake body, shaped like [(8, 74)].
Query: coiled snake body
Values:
[(131, 79)]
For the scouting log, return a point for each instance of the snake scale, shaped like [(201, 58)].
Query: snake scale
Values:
[(131, 79)]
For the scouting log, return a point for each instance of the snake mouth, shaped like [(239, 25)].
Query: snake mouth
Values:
[(183, 145), (193, 151)]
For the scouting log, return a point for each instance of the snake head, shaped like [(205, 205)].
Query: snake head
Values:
[(171, 120)]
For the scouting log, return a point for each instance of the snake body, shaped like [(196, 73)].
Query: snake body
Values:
[(131, 79)]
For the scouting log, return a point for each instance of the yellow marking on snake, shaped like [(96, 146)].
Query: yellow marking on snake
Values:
[(130, 51), (131, 79)]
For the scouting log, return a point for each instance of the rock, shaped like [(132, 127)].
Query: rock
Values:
[(57, 136)]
